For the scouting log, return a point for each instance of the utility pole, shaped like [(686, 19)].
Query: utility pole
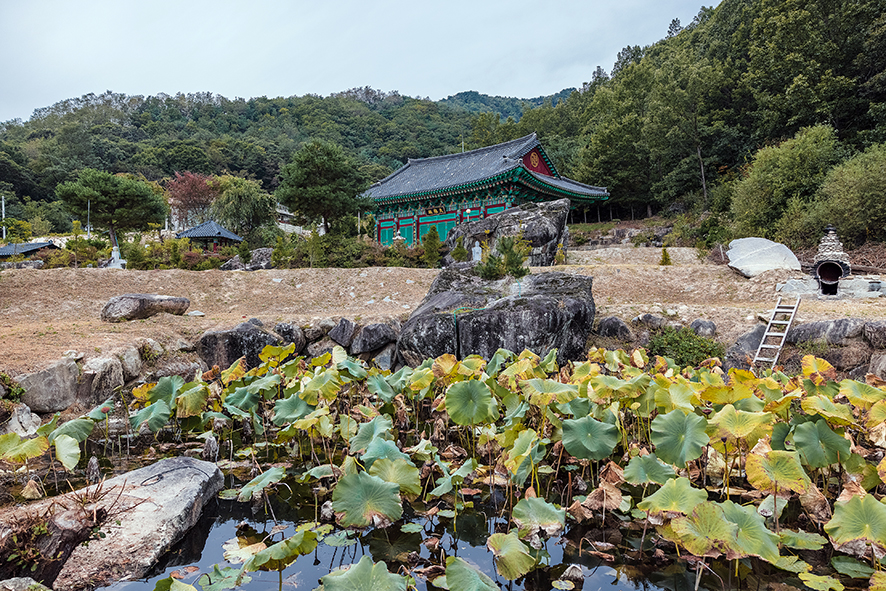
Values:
[(4, 216)]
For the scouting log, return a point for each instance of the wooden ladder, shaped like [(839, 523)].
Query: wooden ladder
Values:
[(776, 332)]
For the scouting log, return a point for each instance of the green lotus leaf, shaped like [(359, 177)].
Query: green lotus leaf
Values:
[(379, 427), (47, 428), (399, 471), (340, 539), (364, 576), (772, 506), (382, 448), (860, 519), (861, 395), (818, 445), (291, 409), (850, 567), (18, 450), (280, 555), (754, 538), (838, 414), (353, 369), (675, 496), (589, 439), (526, 451), (222, 579), (512, 557), (682, 395), (67, 451), (542, 392), (471, 403), (101, 412), (170, 584), (648, 469), (728, 428), (706, 532), (167, 389), (447, 483), (679, 437), (156, 415), (861, 471), (325, 384), (363, 500), (792, 564), (777, 471), (535, 515), (80, 429), (820, 582), (464, 577), (190, 402), (782, 404), (243, 399), (876, 415), (376, 384), (260, 482)]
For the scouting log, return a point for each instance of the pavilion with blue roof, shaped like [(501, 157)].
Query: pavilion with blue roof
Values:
[(210, 234)]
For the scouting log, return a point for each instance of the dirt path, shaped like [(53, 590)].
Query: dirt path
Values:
[(45, 313)]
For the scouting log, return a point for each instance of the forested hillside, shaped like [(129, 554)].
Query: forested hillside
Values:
[(767, 112)]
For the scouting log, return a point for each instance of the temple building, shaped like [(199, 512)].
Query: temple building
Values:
[(444, 191)]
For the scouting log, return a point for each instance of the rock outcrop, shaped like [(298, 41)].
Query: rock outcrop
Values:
[(752, 256), (541, 225), (51, 389), (135, 306), (247, 339), (260, 259), (463, 315)]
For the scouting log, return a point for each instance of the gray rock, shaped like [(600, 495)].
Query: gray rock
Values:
[(740, 354), (134, 306), (385, 359), (188, 370), (291, 333), (847, 358), (51, 389), (615, 328), (320, 347), (224, 347), (703, 328), (878, 366), (22, 583), (548, 310), (314, 333), (650, 321), (149, 349), (372, 337), (21, 421), (130, 361), (343, 333), (541, 225), (99, 379), (327, 324), (799, 286), (752, 256), (159, 504), (260, 259), (875, 334), (834, 332)]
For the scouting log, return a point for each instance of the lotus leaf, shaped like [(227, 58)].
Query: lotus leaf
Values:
[(221, 579), (781, 405), (471, 403), (680, 395), (260, 482), (876, 415), (101, 412), (380, 426), (243, 399), (817, 370), (171, 584), (728, 428), (79, 429), (648, 469), (792, 564), (351, 370), (325, 384), (679, 437), (677, 495), (361, 500), (838, 414), (542, 392), (512, 558), (534, 515), (860, 471), (155, 415), (382, 448), (340, 539), (860, 519), (18, 450), (377, 385), (527, 451), (67, 451), (321, 360), (364, 576), (190, 402), (821, 583), (818, 445), (290, 409), (776, 472), (588, 438), (399, 471), (272, 355), (280, 555), (772, 506), (167, 389), (851, 567), (878, 581), (421, 381), (706, 532), (462, 576), (861, 395), (447, 483), (753, 537)]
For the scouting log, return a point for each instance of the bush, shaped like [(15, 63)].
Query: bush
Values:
[(460, 253), (665, 258), (684, 346), (431, 245)]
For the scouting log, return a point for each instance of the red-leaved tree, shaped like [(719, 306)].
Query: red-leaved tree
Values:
[(190, 195)]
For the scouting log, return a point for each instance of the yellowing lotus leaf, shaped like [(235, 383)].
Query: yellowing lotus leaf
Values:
[(857, 525), (776, 472), (861, 395), (838, 414), (818, 370), (876, 415), (512, 557), (677, 495), (730, 428), (707, 532)]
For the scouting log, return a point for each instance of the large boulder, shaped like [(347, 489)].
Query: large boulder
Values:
[(100, 379), (741, 353), (752, 256), (291, 333), (541, 225), (224, 347), (463, 315), (843, 331), (135, 306), (875, 333), (51, 389), (154, 507), (372, 337), (260, 259)]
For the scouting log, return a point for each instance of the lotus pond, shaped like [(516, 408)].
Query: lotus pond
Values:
[(618, 472)]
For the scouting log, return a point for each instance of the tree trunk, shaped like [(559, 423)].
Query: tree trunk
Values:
[(704, 186)]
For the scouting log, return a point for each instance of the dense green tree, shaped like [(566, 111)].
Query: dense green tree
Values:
[(853, 194), (431, 245), (244, 208), (322, 184), (113, 202)]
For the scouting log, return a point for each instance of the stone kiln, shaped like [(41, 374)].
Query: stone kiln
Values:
[(831, 263)]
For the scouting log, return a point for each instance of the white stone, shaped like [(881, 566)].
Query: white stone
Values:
[(752, 256)]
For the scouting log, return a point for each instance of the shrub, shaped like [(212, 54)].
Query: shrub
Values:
[(684, 346), (431, 245), (665, 258), (460, 253)]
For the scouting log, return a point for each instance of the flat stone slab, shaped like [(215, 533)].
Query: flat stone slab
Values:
[(752, 256), (135, 306), (156, 507)]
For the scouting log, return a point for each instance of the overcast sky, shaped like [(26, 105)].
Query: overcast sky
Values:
[(54, 50)]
